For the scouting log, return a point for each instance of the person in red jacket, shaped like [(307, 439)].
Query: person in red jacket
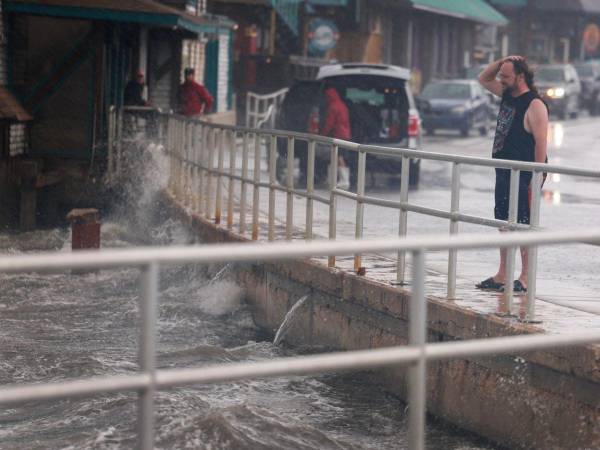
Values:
[(337, 125), (337, 119), (194, 99)]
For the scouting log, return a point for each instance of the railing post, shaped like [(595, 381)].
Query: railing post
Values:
[(256, 184), (417, 374), (360, 206), (111, 143), (536, 193), (147, 354), (197, 134), (310, 190), (209, 169), (403, 220), (289, 219), (513, 205), (244, 185), (119, 141), (333, 173), (202, 163), (232, 160), (272, 183), (219, 195), (454, 209)]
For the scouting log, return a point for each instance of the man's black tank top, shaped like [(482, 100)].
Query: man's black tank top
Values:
[(512, 141)]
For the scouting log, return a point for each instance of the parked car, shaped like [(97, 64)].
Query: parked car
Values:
[(455, 104), (559, 86), (382, 111), (589, 76)]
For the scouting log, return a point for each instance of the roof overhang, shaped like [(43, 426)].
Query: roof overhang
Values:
[(145, 12), (474, 10)]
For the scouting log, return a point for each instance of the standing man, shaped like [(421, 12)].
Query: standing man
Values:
[(134, 91), (521, 135), (194, 99)]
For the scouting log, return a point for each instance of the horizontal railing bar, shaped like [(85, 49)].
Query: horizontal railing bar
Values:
[(399, 152), (45, 262), (82, 387), (301, 365)]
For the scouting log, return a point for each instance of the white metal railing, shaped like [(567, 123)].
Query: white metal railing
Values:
[(416, 355), (262, 108), (197, 150)]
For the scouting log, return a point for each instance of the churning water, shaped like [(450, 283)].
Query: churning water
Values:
[(62, 326)]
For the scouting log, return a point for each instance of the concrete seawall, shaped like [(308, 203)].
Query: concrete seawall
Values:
[(543, 400)]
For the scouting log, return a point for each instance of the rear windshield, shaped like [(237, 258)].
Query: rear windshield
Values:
[(551, 74), (585, 71), (378, 106), (446, 91)]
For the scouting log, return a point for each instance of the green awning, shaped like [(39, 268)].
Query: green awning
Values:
[(328, 2), (146, 12), (509, 3), (477, 10)]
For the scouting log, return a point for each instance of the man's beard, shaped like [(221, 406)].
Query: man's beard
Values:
[(509, 89)]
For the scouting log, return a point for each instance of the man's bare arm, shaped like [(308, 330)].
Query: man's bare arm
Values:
[(537, 119), (488, 79)]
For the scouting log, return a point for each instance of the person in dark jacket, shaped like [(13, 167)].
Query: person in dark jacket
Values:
[(194, 99), (134, 91)]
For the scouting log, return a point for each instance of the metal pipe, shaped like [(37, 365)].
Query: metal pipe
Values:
[(360, 207), (209, 170), (243, 182), (232, 160), (272, 185), (513, 204), (417, 374), (536, 193), (147, 357), (333, 173), (256, 197), (289, 217), (310, 190), (219, 196), (403, 220), (454, 209)]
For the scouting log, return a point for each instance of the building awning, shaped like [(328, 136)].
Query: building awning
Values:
[(476, 10), (509, 3), (10, 108), (583, 6), (146, 12)]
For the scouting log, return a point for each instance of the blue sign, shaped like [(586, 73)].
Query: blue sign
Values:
[(323, 35)]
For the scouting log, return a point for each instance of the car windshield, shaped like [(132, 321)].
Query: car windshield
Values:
[(448, 91), (585, 71), (551, 74)]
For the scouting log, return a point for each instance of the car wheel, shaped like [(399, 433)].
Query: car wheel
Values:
[(483, 130), (562, 114), (429, 131), (464, 130)]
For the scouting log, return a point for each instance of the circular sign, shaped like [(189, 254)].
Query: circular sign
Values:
[(591, 38), (322, 35)]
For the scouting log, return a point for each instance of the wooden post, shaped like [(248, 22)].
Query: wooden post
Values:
[(85, 228)]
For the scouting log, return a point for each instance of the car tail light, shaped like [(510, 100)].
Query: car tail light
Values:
[(413, 126)]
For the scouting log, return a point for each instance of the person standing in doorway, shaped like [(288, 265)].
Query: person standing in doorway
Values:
[(134, 91), (521, 135), (194, 99)]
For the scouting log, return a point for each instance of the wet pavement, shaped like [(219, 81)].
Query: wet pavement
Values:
[(568, 284)]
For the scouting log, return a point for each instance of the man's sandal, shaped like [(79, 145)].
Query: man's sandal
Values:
[(518, 288), (490, 285)]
